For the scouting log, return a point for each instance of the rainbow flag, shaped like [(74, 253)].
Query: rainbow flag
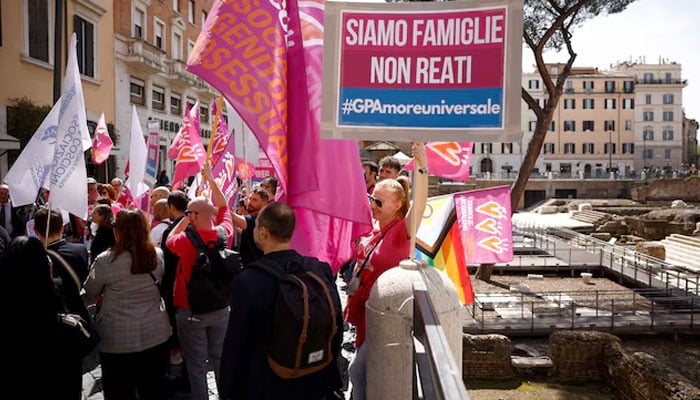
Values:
[(438, 243)]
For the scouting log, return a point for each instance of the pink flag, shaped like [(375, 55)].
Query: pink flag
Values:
[(448, 160), (260, 92), (101, 143), (484, 218), (220, 137), (224, 172), (187, 148), (245, 169)]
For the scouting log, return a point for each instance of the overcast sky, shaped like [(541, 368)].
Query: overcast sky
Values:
[(647, 28)]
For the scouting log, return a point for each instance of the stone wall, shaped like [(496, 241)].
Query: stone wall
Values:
[(668, 189), (486, 357), (579, 355)]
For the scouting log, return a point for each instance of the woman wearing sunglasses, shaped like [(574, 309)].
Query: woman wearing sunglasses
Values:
[(382, 249)]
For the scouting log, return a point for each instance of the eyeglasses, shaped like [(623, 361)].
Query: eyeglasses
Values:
[(376, 201), (188, 212)]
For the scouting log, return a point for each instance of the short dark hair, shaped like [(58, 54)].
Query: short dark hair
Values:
[(391, 162), (373, 167), (179, 200), (41, 216), (261, 192), (278, 218), (272, 181)]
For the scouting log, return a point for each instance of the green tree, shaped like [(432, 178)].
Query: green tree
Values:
[(23, 119)]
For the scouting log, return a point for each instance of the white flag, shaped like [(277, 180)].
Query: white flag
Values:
[(138, 154), (28, 174), (246, 143), (68, 181)]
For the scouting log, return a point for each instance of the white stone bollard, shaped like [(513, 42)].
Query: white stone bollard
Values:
[(389, 319)]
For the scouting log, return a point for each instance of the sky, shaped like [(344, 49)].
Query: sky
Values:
[(646, 28)]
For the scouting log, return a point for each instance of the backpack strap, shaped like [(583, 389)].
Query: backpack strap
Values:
[(195, 239), (222, 239)]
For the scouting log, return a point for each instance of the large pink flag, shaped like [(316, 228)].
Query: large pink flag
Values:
[(101, 143), (224, 172), (448, 160), (484, 218), (187, 148), (249, 70)]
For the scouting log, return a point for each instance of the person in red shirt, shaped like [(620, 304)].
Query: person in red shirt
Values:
[(382, 249), (201, 335)]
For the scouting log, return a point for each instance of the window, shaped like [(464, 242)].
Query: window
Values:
[(569, 87), (177, 46), (609, 148), (85, 32), (668, 99), (609, 125), (549, 148), (667, 154), (588, 126), (203, 112), (648, 134), (667, 134), (610, 104), (668, 78), (668, 116), (136, 91), (569, 148), (588, 148), (139, 27), (158, 98), (569, 126), (190, 47), (486, 148), (204, 17), (506, 148), (533, 84), (39, 34), (628, 86), (175, 104), (627, 104), (609, 86), (569, 104), (588, 86), (532, 125), (647, 99), (176, 6), (648, 77), (648, 154), (555, 70), (627, 148), (190, 11), (588, 104), (628, 124), (551, 127), (648, 116), (159, 35)]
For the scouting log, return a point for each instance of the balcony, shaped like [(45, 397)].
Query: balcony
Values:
[(141, 54), (662, 82), (177, 72)]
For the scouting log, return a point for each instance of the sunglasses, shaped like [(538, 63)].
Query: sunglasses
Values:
[(376, 201), (188, 212)]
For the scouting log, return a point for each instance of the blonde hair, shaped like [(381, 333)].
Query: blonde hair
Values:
[(399, 189)]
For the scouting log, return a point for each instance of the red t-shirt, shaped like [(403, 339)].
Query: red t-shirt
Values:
[(181, 246), (393, 248)]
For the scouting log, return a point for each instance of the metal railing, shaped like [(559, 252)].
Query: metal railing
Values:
[(626, 262), (435, 372)]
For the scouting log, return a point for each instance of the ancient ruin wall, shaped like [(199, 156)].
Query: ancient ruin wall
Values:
[(486, 357)]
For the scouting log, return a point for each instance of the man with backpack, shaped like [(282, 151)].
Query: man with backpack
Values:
[(275, 348), (201, 333)]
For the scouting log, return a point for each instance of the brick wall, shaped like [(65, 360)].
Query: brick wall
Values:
[(486, 357), (578, 355)]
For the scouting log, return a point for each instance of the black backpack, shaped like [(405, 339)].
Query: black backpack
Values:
[(209, 286), (304, 320)]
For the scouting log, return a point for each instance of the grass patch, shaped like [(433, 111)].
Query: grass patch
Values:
[(517, 389)]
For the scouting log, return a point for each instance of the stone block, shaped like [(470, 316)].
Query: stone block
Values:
[(651, 249)]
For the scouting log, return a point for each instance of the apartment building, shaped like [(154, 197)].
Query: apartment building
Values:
[(152, 41), (27, 61), (623, 120)]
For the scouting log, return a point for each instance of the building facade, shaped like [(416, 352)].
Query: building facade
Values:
[(27, 59), (152, 41)]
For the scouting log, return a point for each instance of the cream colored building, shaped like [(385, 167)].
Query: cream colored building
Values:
[(27, 58)]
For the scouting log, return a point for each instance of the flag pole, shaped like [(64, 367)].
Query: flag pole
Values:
[(214, 127)]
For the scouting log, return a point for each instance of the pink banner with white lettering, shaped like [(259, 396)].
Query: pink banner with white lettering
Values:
[(220, 137), (448, 160), (187, 149), (224, 172), (484, 218)]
